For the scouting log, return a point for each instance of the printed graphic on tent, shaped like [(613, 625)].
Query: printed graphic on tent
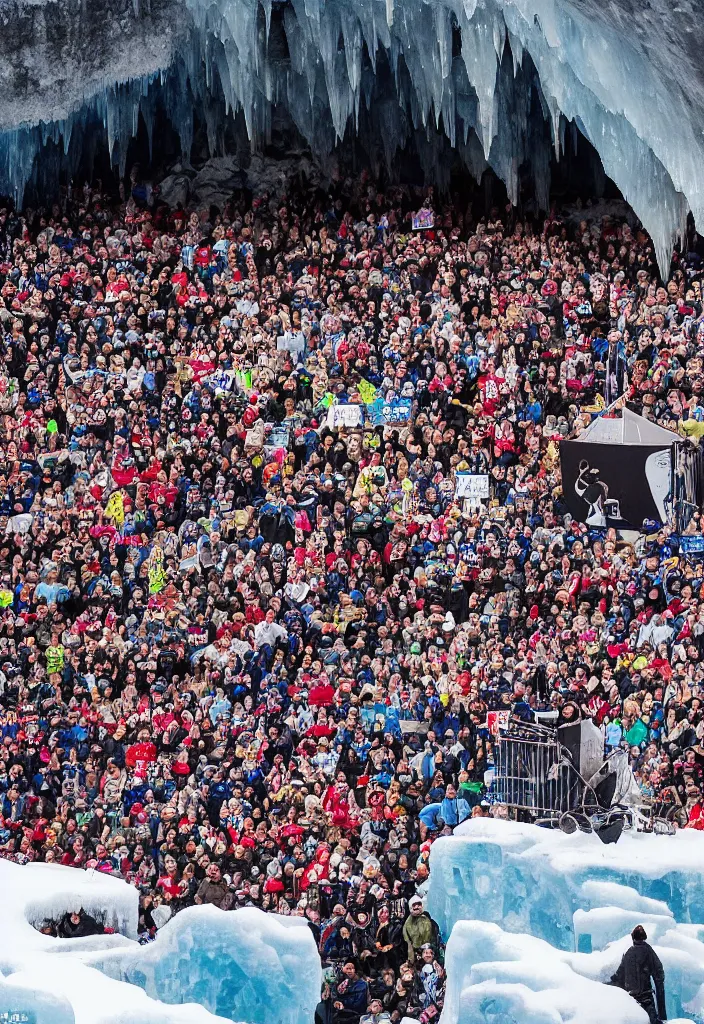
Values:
[(618, 473)]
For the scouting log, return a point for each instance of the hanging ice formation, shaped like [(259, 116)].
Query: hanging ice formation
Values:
[(499, 80)]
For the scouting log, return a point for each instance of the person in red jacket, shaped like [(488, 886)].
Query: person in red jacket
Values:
[(695, 809), (336, 802), (141, 754), (321, 694)]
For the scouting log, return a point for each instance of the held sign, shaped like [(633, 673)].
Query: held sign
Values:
[(345, 416), (498, 721), (472, 487)]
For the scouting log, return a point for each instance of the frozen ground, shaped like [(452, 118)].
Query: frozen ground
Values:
[(205, 966), (501, 81)]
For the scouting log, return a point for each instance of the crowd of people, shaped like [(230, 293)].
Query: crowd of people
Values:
[(250, 640)]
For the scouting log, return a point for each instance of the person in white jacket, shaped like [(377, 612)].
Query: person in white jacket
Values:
[(268, 632)]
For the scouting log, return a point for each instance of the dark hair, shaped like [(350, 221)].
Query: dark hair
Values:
[(639, 933)]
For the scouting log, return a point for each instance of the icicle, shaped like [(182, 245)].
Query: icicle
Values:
[(266, 5)]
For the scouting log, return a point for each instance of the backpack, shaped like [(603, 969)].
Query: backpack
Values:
[(362, 524)]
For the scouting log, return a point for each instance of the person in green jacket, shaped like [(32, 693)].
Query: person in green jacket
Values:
[(418, 929)]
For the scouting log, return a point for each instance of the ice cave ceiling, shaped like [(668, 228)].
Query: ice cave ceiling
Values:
[(502, 81)]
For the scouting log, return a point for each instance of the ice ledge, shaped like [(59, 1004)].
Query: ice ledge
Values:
[(493, 975), (530, 910), (206, 966)]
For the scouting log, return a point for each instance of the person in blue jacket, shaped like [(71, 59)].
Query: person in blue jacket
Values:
[(350, 995), (452, 810)]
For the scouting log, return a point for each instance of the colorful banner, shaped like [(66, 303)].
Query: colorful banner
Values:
[(382, 413), (423, 220)]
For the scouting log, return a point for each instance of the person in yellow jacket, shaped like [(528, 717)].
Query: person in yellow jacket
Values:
[(55, 656)]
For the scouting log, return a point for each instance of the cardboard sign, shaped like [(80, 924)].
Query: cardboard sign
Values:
[(255, 438), (292, 341), (222, 381), (278, 437), (498, 721), (412, 726), (382, 413), (423, 220)]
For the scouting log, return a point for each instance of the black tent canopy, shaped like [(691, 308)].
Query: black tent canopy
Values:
[(626, 472)]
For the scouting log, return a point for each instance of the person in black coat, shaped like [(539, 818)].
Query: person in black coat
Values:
[(77, 925), (640, 967)]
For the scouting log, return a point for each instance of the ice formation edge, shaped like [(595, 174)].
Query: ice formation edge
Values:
[(499, 81)]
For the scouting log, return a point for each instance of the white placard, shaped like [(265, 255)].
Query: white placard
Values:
[(472, 486), (293, 342), (345, 416)]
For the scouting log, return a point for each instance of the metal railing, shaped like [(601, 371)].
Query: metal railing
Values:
[(535, 774)]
